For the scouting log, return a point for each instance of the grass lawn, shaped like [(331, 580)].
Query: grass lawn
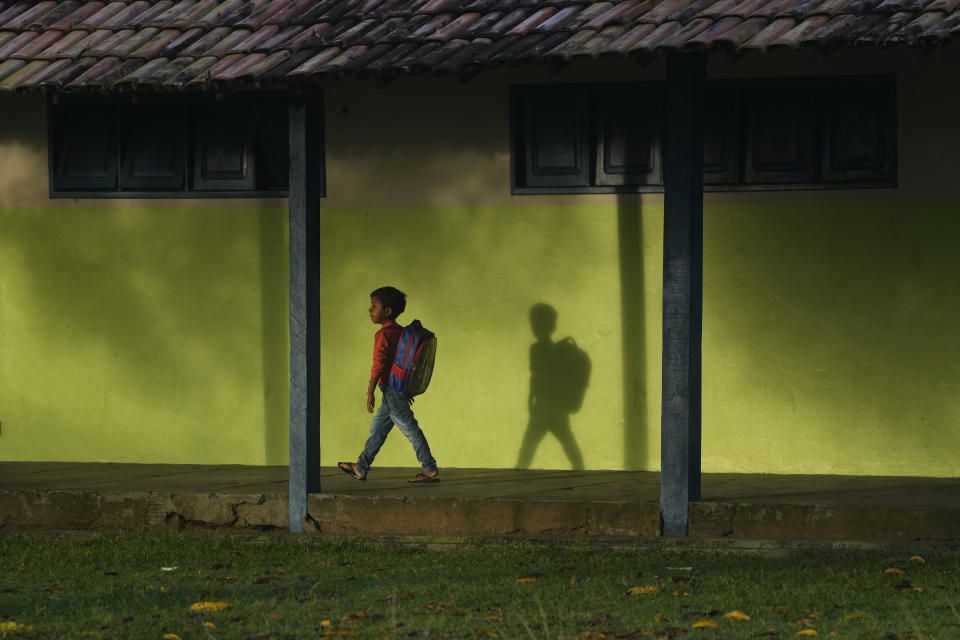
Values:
[(156, 586)]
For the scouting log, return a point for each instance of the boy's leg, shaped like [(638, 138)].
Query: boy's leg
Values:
[(379, 428), (402, 416)]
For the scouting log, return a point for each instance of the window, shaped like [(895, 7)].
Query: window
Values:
[(758, 134), (584, 138), (168, 147)]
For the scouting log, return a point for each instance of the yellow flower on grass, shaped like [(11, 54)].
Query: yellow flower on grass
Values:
[(736, 615), (635, 590), (208, 606), (10, 625)]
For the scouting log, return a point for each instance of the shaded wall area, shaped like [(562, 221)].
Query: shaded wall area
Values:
[(136, 331), (828, 345)]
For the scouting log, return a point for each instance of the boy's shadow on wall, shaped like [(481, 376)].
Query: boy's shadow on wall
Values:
[(559, 376)]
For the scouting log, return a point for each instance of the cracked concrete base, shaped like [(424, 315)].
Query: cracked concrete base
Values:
[(38, 509), (821, 522), (466, 516), (477, 502), (480, 516)]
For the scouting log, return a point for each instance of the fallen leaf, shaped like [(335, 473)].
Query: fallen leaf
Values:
[(209, 625), (325, 623), (486, 631), (736, 615), (526, 579), (807, 632), (494, 618), (171, 636), (208, 606), (636, 590), (918, 559), (358, 614), (805, 622), (895, 571), (700, 624), (10, 625), (858, 614)]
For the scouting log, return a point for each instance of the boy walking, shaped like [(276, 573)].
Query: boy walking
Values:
[(386, 303)]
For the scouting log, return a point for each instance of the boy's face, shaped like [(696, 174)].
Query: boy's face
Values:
[(379, 313)]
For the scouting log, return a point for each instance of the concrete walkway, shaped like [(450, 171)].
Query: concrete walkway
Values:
[(467, 502)]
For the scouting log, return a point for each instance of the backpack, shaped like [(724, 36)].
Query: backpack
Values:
[(413, 365)]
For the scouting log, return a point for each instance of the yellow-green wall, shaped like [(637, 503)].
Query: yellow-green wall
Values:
[(156, 330)]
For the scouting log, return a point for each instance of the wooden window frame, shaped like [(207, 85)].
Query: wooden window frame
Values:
[(270, 182), (591, 99), (734, 168)]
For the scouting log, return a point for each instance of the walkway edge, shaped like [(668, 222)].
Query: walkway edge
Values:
[(465, 516)]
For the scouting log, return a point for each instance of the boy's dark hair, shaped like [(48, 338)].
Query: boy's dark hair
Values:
[(392, 298)]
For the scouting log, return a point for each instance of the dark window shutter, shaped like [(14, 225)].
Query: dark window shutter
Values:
[(859, 132), (273, 146), (781, 144), (555, 138), (629, 122), (721, 139), (84, 146), (223, 160), (154, 149)]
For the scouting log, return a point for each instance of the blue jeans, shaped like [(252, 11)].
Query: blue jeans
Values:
[(394, 410)]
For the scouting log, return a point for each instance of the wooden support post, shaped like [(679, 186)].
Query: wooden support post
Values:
[(682, 291), (306, 180)]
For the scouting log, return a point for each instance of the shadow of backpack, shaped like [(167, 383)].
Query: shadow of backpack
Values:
[(413, 365), (572, 375)]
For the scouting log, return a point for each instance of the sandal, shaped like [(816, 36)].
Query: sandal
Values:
[(422, 477), (350, 468)]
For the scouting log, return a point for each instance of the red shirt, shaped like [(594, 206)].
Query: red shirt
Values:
[(384, 351)]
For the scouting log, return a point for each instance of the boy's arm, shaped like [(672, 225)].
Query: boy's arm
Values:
[(370, 388), (381, 366)]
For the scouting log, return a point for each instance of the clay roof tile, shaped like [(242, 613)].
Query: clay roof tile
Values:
[(76, 16), (10, 13), (23, 74), (770, 33), (533, 21), (16, 43), (97, 19), (37, 45), (34, 13)]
